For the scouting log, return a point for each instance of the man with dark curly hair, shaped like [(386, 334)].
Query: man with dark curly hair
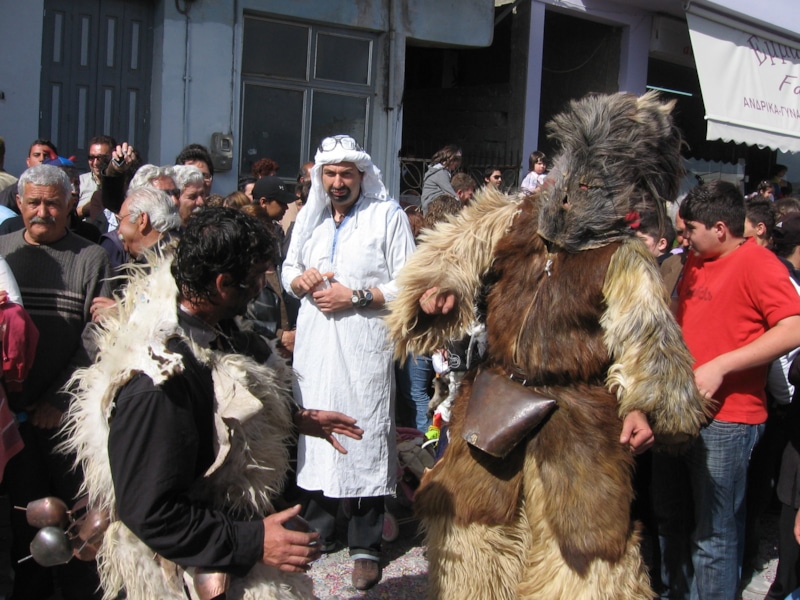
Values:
[(196, 432)]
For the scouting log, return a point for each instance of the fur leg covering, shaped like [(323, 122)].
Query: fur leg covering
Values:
[(548, 577), (475, 561), (559, 503)]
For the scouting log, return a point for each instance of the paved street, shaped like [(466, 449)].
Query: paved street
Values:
[(405, 566)]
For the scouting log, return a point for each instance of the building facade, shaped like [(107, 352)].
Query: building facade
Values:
[(248, 78)]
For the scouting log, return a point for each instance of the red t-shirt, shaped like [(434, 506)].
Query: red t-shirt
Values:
[(725, 304)]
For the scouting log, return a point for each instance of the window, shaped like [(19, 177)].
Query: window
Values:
[(301, 83)]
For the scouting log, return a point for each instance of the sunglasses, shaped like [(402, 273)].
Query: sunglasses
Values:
[(345, 141)]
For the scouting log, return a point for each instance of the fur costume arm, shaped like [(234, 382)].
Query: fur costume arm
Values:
[(652, 369), (453, 256)]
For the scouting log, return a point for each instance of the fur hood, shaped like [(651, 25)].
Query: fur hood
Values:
[(617, 152)]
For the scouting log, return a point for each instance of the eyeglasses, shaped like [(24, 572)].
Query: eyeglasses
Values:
[(173, 192), (345, 141), (207, 177), (98, 157)]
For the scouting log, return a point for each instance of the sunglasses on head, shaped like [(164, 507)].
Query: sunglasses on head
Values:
[(345, 141)]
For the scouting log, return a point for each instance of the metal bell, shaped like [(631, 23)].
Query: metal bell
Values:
[(210, 585), (51, 547), (47, 512), (91, 528)]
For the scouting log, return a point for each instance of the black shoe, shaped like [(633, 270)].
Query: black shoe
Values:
[(366, 573), (331, 547)]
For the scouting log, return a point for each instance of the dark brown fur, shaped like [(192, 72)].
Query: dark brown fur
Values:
[(469, 484), (586, 472), (547, 327)]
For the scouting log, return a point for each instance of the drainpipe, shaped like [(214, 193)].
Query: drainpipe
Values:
[(233, 62), (394, 117), (186, 66)]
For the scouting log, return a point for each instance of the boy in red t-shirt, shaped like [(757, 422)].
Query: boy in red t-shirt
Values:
[(738, 312)]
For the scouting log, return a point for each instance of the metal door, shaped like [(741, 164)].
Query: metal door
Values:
[(96, 69)]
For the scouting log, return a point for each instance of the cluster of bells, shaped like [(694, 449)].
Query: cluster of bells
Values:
[(78, 532), (64, 533)]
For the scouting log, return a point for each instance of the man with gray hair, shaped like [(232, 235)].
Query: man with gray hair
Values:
[(160, 178), (146, 216), (189, 180), (349, 242), (58, 274), (150, 176)]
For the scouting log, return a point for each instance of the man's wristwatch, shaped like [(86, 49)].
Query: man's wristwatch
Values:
[(361, 298), (366, 299)]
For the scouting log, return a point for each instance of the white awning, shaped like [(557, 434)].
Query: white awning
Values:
[(750, 81)]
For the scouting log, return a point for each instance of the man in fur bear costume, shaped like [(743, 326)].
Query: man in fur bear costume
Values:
[(183, 436), (576, 312)]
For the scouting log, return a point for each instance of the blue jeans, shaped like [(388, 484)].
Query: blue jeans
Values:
[(699, 501), (414, 384)]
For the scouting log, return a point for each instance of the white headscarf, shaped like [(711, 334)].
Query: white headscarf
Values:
[(317, 206)]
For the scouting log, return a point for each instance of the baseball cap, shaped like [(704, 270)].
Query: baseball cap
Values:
[(272, 188), (60, 161), (787, 231)]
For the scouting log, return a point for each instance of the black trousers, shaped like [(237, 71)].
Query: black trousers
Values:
[(364, 528), (787, 577), (38, 471)]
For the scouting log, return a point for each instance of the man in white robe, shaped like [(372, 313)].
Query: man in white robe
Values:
[(349, 242)]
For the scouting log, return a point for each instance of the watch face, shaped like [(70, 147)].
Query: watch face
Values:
[(366, 299), (354, 299)]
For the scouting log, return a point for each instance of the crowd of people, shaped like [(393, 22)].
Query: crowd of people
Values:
[(155, 310)]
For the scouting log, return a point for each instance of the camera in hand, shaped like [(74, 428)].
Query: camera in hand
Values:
[(298, 524)]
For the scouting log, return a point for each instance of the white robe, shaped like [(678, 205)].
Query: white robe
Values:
[(343, 360)]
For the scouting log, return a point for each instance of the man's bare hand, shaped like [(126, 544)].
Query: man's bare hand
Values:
[(46, 416), (796, 528), (100, 307), (324, 423), (333, 299), (287, 340), (310, 280), (708, 378), (436, 302), (287, 550), (636, 432), (122, 158)]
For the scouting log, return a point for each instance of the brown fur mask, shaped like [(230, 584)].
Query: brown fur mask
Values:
[(617, 152)]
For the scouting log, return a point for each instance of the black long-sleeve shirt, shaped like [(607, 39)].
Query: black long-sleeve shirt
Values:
[(160, 443)]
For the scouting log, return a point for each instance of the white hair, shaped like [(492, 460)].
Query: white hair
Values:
[(145, 175), (187, 175), (48, 175), (157, 205)]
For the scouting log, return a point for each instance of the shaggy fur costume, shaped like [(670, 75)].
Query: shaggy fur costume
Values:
[(576, 307), (252, 422)]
